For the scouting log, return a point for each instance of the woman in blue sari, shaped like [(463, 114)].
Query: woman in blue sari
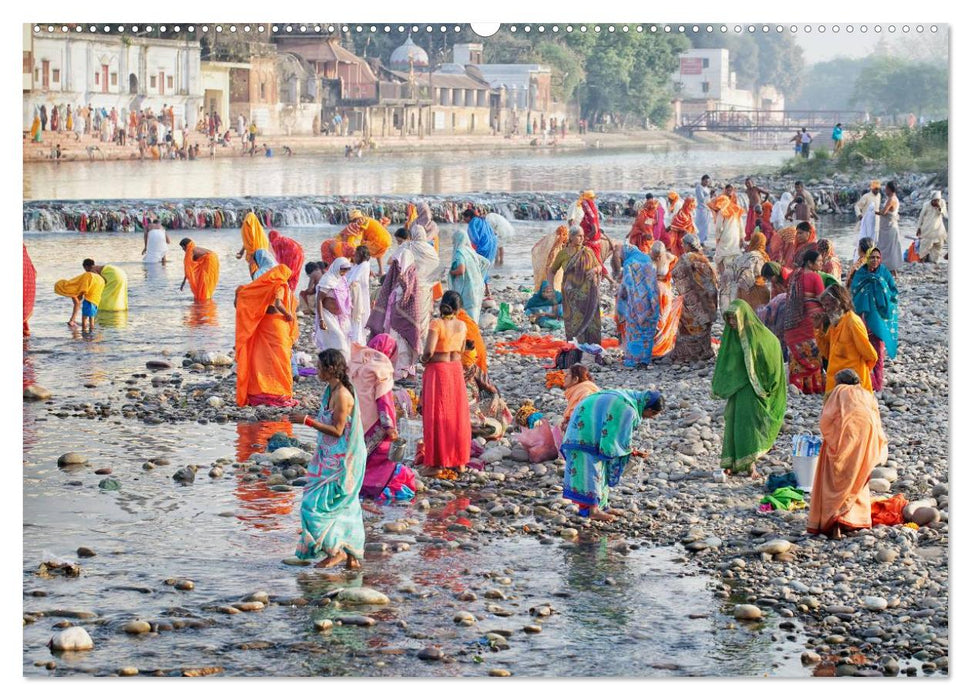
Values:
[(545, 312), (264, 261), (638, 306), (467, 274), (875, 301), (331, 521), (597, 445)]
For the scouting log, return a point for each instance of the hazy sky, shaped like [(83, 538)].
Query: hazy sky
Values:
[(818, 46)]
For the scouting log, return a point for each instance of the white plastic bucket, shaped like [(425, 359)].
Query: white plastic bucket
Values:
[(805, 471)]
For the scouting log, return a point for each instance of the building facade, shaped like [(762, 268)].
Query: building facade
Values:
[(122, 72)]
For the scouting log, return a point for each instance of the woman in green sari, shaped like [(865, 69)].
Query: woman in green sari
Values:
[(581, 289), (750, 373), (597, 445)]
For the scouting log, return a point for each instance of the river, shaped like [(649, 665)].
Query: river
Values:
[(656, 618)]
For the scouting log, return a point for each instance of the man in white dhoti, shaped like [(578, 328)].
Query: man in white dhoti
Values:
[(702, 213), (931, 233), (870, 201)]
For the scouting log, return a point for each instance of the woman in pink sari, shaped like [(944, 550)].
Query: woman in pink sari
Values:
[(372, 374), (287, 252)]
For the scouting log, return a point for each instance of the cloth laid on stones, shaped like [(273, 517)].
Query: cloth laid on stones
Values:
[(889, 511), (785, 498), (778, 481), (544, 345)]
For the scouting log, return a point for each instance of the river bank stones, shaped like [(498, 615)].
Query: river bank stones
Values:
[(71, 459), (137, 627), (35, 392), (71, 639), (747, 612), (774, 547), (362, 596)]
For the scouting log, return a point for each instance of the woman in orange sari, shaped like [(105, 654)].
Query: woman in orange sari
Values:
[(254, 239), (472, 332), (842, 338), (853, 444), (783, 247), (641, 234), (201, 270), (683, 224), (667, 323), (266, 330)]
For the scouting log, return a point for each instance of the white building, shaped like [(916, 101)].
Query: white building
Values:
[(705, 82), (124, 72)]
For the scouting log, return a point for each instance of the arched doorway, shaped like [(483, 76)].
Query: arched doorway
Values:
[(132, 84)]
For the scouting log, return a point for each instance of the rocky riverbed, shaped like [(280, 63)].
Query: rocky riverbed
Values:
[(875, 603)]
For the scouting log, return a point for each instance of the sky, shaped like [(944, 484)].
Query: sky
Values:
[(819, 46)]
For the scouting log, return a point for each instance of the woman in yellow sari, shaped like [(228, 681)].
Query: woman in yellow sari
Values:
[(266, 330), (254, 239)]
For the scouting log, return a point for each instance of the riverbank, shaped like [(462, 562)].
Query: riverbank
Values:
[(875, 603), (90, 148)]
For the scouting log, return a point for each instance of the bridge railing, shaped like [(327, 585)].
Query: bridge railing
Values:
[(754, 120)]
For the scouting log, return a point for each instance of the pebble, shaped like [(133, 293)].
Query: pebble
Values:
[(128, 671), (71, 639), (357, 620), (499, 672), (747, 612), (324, 625), (532, 629), (85, 552), (925, 516), (109, 485), (362, 596), (879, 486), (71, 459), (775, 547), (184, 585), (137, 627), (875, 603), (249, 606), (35, 392), (464, 618), (158, 364), (431, 654), (569, 533)]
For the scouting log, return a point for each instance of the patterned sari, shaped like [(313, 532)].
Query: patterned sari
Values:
[(581, 293), (694, 278), (331, 520), (597, 444), (749, 373), (875, 300), (805, 361), (639, 305)]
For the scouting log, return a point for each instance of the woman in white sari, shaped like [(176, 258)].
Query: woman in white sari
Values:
[(359, 282), (504, 232), (332, 320), (779, 210)]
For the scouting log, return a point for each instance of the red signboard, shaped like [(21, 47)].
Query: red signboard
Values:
[(691, 66)]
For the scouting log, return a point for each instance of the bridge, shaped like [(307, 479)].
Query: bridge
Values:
[(767, 121)]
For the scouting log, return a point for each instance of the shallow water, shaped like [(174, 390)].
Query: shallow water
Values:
[(653, 617), (392, 173)]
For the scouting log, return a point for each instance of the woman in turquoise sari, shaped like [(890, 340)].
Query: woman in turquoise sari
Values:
[(597, 445), (638, 307), (875, 301), (331, 521), (467, 274)]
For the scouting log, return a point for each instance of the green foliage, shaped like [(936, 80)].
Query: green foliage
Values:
[(891, 85), (763, 59), (828, 85)]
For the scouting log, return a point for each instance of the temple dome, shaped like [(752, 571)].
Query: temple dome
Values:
[(407, 55)]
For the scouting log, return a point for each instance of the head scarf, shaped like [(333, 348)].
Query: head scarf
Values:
[(264, 262), (874, 183), (384, 344), (372, 374), (355, 214), (875, 301), (736, 365), (672, 196), (757, 242), (684, 219)]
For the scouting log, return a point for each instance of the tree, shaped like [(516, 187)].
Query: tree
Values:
[(759, 59), (892, 86), (829, 85)]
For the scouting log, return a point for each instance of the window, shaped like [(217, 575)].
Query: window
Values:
[(114, 80), (262, 91), (56, 75), (97, 78), (168, 82), (153, 81), (704, 63), (705, 86), (36, 73)]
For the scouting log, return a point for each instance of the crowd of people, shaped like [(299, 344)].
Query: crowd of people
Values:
[(384, 355)]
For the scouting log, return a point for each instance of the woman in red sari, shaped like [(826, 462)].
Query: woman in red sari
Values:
[(802, 304), (287, 252), (641, 234), (828, 261), (683, 224), (266, 330), (805, 241), (446, 422), (30, 290), (782, 249)]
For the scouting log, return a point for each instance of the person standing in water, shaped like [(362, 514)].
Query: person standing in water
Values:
[(156, 242), (85, 291), (201, 270)]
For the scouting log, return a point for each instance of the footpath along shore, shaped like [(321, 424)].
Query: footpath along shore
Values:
[(76, 149), (875, 603)]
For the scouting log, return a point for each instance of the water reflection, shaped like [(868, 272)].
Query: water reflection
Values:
[(113, 319), (251, 438), (201, 313)]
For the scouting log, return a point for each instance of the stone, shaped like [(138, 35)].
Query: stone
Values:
[(879, 485), (261, 596), (875, 603), (886, 555), (185, 475), (250, 606), (925, 516), (290, 455), (569, 533), (184, 585), (35, 392), (137, 627), (158, 364), (357, 620), (128, 671), (109, 485), (71, 459), (775, 547), (323, 625), (431, 654), (85, 552), (495, 594), (884, 473), (532, 629), (215, 402), (499, 672), (71, 639), (464, 618), (216, 473), (810, 658), (395, 528), (914, 506), (747, 612), (362, 596)]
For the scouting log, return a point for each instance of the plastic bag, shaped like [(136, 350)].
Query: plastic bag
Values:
[(538, 442), (505, 323)]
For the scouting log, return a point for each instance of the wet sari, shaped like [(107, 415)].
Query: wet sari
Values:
[(750, 374), (471, 283), (581, 294), (694, 278), (641, 234), (639, 306), (254, 238), (331, 519), (597, 444), (290, 253), (202, 274), (875, 300), (805, 361), (682, 224), (671, 307)]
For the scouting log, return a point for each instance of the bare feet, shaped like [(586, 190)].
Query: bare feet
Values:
[(333, 560), (353, 562), (72, 324), (597, 514)]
